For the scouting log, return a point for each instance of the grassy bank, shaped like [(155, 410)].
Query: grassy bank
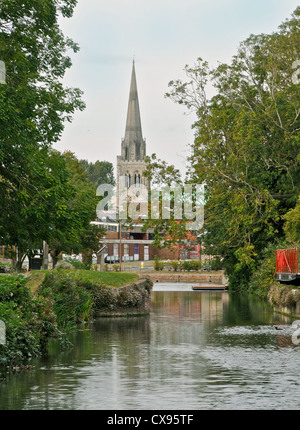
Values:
[(49, 304), (109, 279)]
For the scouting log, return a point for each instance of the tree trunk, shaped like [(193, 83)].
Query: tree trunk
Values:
[(54, 255), (87, 257), (19, 261)]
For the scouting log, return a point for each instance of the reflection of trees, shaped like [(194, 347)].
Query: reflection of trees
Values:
[(243, 310), (131, 352), (65, 367)]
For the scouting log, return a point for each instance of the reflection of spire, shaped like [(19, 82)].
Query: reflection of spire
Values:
[(133, 132)]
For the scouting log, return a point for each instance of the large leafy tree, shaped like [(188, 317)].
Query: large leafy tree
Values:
[(292, 224), (72, 232), (34, 105), (167, 230), (57, 207), (247, 143), (31, 212)]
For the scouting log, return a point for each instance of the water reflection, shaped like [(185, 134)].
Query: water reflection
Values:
[(196, 350)]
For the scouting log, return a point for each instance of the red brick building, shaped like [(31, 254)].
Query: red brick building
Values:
[(135, 245)]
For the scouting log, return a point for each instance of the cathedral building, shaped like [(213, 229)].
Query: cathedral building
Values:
[(121, 242), (131, 162)]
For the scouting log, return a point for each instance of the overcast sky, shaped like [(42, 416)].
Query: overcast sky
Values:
[(163, 36)]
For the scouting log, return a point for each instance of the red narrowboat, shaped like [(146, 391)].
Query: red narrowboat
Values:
[(287, 266)]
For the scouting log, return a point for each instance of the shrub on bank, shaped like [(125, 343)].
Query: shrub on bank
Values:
[(123, 300), (158, 265), (263, 278), (63, 300), (81, 265), (71, 303), (191, 265), (29, 321)]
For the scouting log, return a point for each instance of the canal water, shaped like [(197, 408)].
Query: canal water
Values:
[(196, 350)]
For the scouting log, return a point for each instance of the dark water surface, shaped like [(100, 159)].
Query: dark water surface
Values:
[(197, 350)]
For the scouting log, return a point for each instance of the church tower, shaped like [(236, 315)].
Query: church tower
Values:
[(131, 162)]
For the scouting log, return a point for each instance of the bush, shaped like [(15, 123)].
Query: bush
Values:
[(216, 263), (158, 265), (191, 265), (175, 265), (102, 297), (73, 263), (71, 303), (263, 277), (65, 265), (195, 265), (29, 321)]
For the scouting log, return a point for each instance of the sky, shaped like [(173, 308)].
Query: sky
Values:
[(162, 36)]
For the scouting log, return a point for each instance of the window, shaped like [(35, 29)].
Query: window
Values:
[(126, 252), (146, 252), (136, 252)]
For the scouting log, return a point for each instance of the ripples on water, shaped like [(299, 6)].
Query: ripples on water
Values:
[(195, 351)]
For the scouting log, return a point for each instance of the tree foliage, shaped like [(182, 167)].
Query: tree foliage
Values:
[(44, 195), (100, 172), (292, 223), (71, 232), (169, 225), (247, 143), (33, 103)]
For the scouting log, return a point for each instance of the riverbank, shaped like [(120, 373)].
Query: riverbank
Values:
[(48, 304), (109, 279), (285, 299), (221, 348)]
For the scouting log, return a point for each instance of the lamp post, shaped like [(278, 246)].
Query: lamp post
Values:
[(199, 237)]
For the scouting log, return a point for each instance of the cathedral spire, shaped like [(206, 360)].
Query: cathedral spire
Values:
[(131, 163), (133, 133)]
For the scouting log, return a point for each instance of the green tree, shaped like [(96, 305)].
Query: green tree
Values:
[(34, 105), (32, 210), (100, 172), (167, 229), (72, 232), (246, 144), (58, 208), (292, 223)]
